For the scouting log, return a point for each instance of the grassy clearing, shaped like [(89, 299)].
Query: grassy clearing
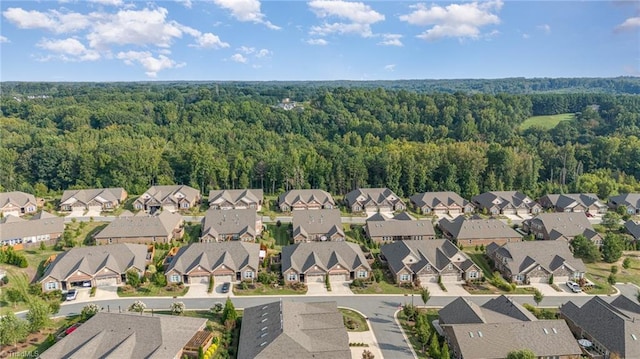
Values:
[(280, 234), (479, 259), (151, 290), (354, 321), (546, 122), (599, 272), (83, 232), (260, 289)]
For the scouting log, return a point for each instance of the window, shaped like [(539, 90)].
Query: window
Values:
[(292, 276), (138, 206), (428, 267), (248, 274), (110, 240), (51, 285), (362, 274), (405, 277), (473, 275), (185, 205), (174, 278), (450, 266)]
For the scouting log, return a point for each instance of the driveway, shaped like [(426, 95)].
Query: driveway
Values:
[(567, 291), (92, 213), (198, 290), (316, 288), (340, 288), (455, 289), (545, 289), (369, 339)]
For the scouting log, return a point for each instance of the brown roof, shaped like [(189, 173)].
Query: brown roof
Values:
[(462, 228)]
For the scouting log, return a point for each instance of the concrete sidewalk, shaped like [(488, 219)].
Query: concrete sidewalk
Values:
[(368, 338)]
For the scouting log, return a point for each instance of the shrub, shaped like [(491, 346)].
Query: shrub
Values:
[(614, 269), (378, 275), (137, 306), (626, 263), (611, 279), (159, 279), (551, 279), (297, 286), (89, 311), (133, 278), (177, 308), (217, 308), (210, 285), (92, 292)]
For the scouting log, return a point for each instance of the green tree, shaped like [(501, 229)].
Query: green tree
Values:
[(133, 278), (177, 308), (611, 221), (612, 247), (585, 249), (445, 351), (229, 312), (537, 296), (434, 346), (38, 314), (12, 329), (89, 311), (13, 295), (425, 295), (521, 354), (137, 306), (626, 263), (423, 330)]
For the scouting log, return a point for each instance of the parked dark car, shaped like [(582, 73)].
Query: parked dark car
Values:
[(72, 294), (225, 287)]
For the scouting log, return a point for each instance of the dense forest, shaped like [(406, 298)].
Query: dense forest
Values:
[(56, 136)]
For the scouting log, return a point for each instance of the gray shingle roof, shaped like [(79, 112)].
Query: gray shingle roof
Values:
[(633, 228), (567, 224), (571, 200), (306, 196), (490, 340), (371, 197), (433, 199), (548, 254), (436, 252), (497, 310), (611, 324), (401, 225), (16, 198), (304, 256), (234, 255), (463, 228), (236, 196), (141, 225), (229, 222), (91, 260), (626, 199), (12, 227), (163, 194), (502, 199), (293, 330), (317, 221), (85, 196), (124, 336)]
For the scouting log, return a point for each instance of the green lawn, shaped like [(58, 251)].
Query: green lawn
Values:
[(479, 259), (599, 272), (260, 289), (280, 234), (546, 122), (150, 290), (407, 327), (385, 287), (354, 320)]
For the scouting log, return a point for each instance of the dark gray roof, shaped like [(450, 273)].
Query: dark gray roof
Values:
[(306, 196), (461, 311), (571, 200), (463, 228), (633, 228), (545, 338), (124, 336), (548, 254), (436, 252), (401, 225), (209, 256), (85, 196), (19, 199), (91, 260), (613, 324), (229, 222), (303, 256), (12, 227), (567, 224), (433, 199), (502, 199), (236, 196), (169, 193), (626, 199), (141, 225), (317, 221), (372, 197), (293, 330), (497, 310)]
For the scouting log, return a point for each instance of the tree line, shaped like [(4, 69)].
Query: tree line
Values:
[(233, 136)]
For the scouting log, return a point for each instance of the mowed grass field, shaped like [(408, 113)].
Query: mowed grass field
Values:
[(547, 122)]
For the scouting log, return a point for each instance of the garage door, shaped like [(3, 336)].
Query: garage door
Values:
[(219, 279), (449, 278), (315, 278), (199, 279), (523, 211), (15, 213), (95, 208), (337, 278), (539, 279), (440, 211), (455, 212), (106, 282), (509, 211), (561, 279), (428, 278)]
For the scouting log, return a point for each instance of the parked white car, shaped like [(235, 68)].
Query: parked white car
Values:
[(575, 287)]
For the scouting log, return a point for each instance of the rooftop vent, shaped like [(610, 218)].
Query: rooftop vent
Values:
[(263, 344), (480, 334), (470, 334), (545, 330)]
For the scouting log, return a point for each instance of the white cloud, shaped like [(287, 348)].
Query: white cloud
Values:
[(246, 11), (545, 28), (108, 2), (209, 40), (69, 49), (629, 24), (53, 20), (152, 65), (185, 3), (3, 39), (390, 67), (454, 20), (246, 50), (263, 53), (359, 17), (319, 42), (391, 40), (239, 58), (526, 36)]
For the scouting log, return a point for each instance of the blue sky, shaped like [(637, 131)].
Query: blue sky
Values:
[(120, 40)]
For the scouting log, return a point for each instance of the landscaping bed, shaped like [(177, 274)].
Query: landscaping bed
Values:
[(151, 290), (353, 321), (271, 289)]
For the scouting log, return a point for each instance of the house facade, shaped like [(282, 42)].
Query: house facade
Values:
[(440, 204), (477, 231), (231, 225), (561, 226), (236, 199), (223, 262), (95, 266), (373, 200), (142, 229), (317, 225), (382, 229), (311, 262), (169, 198), (535, 262), (506, 203), (17, 204), (428, 262), (574, 202), (301, 199), (43, 227), (94, 200), (630, 201)]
